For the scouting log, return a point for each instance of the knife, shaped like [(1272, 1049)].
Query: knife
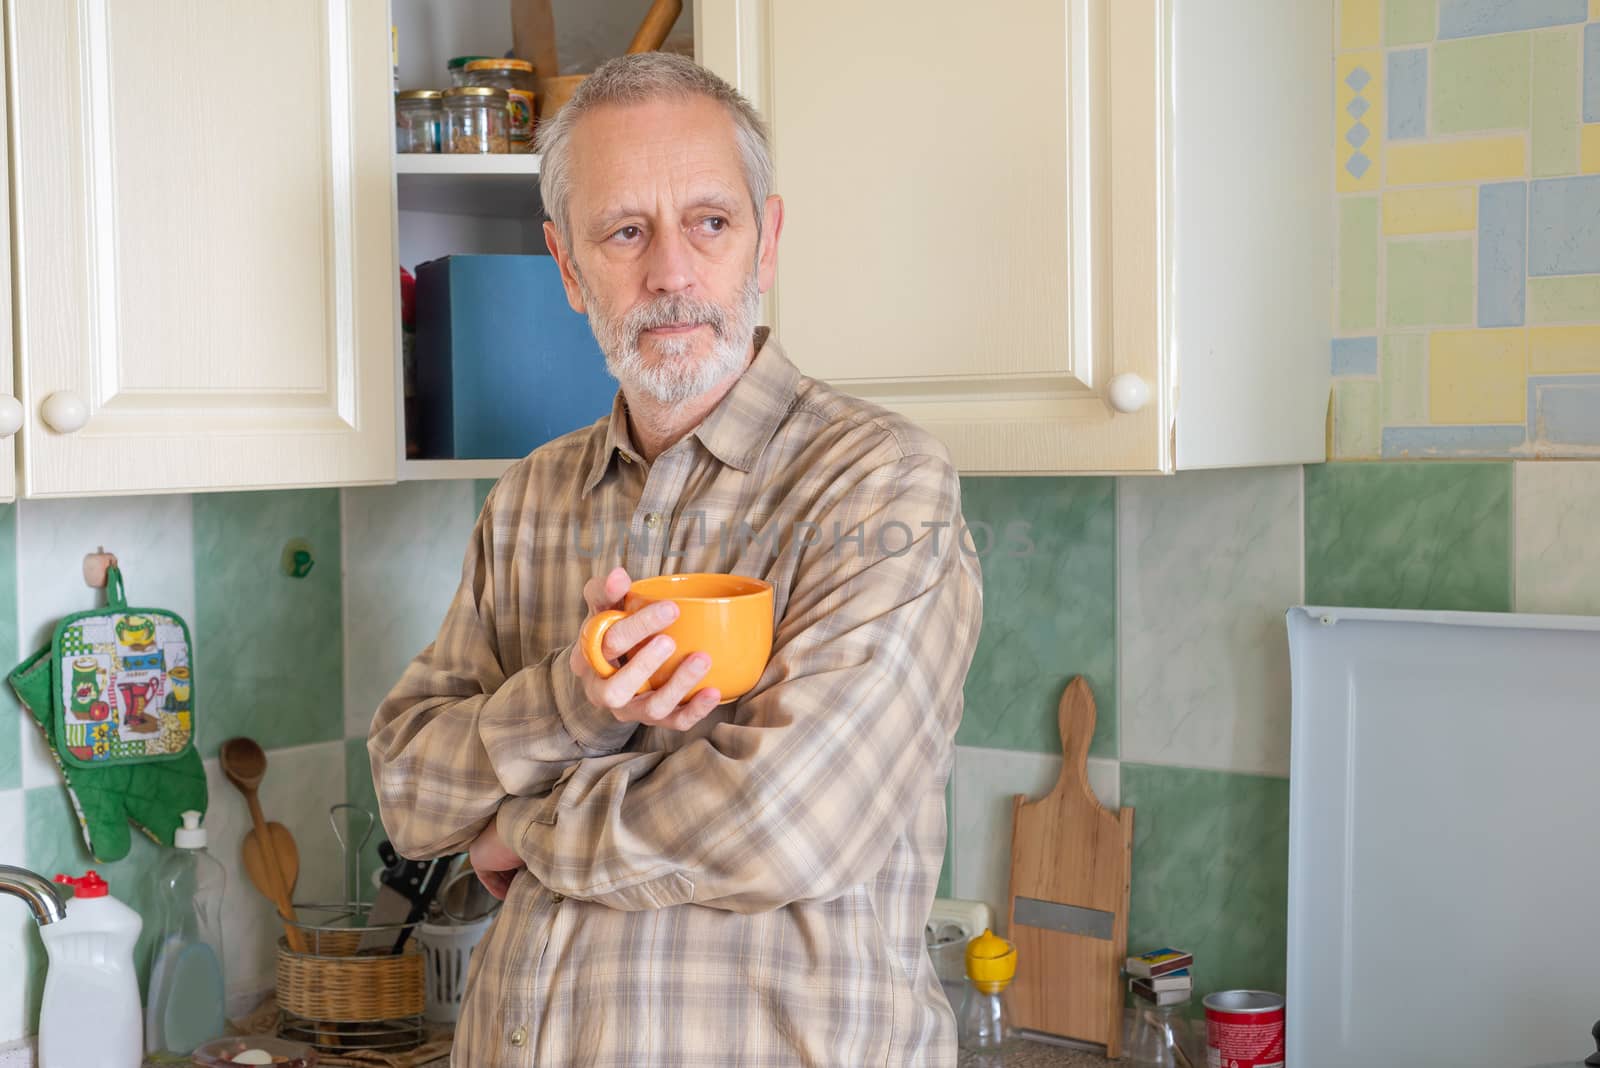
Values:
[(406, 888)]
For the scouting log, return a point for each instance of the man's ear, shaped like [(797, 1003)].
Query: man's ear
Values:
[(771, 230), (569, 272)]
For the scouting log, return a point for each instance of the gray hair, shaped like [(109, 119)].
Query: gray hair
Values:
[(637, 79)]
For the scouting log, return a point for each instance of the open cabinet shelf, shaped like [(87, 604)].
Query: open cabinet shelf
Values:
[(499, 185), (451, 204)]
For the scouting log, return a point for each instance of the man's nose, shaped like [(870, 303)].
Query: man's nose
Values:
[(668, 266)]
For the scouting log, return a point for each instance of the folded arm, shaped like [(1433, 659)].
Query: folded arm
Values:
[(468, 724), (803, 793)]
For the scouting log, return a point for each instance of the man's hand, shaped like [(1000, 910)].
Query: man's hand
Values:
[(654, 708), (494, 862)]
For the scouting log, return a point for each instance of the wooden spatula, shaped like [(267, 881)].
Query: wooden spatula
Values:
[(244, 762), (1071, 865)]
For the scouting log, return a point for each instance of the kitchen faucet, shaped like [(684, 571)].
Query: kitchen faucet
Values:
[(43, 899)]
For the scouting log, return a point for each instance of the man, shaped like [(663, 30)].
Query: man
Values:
[(688, 883)]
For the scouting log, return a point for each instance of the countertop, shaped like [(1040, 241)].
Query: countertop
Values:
[(1026, 1054)]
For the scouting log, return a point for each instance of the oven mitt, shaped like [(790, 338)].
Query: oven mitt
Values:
[(113, 696)]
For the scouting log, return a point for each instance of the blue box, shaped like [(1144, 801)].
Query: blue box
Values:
[(503, 362)]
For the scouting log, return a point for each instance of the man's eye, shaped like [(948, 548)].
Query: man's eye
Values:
[(715, 223), (628, 233)]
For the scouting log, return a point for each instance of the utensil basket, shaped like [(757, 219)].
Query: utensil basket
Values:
[(447, 950), (338, 999)]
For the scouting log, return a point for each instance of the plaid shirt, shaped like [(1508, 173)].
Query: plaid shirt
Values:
[(752, 891)]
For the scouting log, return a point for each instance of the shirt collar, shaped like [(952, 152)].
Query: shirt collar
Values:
[(742, 423), (737, 429)]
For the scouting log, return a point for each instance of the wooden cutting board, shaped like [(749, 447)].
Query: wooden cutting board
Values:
[(1071, 863)]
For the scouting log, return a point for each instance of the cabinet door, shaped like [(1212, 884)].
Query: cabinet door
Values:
[(10, 408), (204, 243), (973, 213)]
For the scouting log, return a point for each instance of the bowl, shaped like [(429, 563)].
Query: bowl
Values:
[(225, 1052)]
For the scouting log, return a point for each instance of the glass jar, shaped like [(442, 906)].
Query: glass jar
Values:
[(515, 76), (475, 119), (418, 120), (457, 69)]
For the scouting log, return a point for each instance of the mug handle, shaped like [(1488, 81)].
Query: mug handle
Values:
[(591, 637)]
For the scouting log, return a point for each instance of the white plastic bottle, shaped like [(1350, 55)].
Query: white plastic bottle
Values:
[(186, 1007), (90, 1013)]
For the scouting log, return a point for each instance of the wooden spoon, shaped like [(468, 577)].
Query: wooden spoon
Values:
[(245, 765)]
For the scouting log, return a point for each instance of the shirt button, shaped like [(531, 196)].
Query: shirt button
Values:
[(652, 519), (519, 1037), (556, 899)]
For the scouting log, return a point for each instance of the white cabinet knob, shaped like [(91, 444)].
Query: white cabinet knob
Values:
[(64, 412), (10, 416), (1129, 393)]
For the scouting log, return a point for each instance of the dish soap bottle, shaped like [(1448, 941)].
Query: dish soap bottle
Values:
[(90, 1013), (186, 1007), (984, 1026)]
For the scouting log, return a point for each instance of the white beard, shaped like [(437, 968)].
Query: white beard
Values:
[(673, 377)]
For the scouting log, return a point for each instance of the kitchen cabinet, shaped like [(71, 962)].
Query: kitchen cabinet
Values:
[(10, 407), (203, 208), (1067, 236)]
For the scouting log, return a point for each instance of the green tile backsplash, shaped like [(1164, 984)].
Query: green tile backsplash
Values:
[(1049, 610), (1210, 859), (270, 651), (1409, 535), (1211, 872)]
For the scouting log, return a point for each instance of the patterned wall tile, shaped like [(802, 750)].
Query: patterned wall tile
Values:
[(1470, 159), (1502, 253), (985, 782), (403, 547), (1358, 264), (1559, 350), (1564, 414), (1359, 96), (1049, 610), (1429, 283), (269, 647), (153, 540), (1359, 22), (1433, 210), (1452, 442), (1481, 84), (1468, 18), (1558, 556), (1564, 226), (1208, 562), (1355, 356), (1591, 73), (1409, 535), (480, 493), (1408, 93), (1557, 67), (1410, 22), (1404, 385), (1211, 873), (1564, 300), (1357, 432), (1477, 376)]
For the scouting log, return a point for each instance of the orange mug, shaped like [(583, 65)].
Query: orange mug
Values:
[(727, 617)]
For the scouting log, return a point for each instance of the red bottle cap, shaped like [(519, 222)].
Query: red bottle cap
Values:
[(91, 885)]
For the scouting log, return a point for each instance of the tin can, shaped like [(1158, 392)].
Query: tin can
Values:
[(1244, 1029)]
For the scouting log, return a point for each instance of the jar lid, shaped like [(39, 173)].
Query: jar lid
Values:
[(461, 61), (991, 962), (485, 91), (500, 64), (419, 94)]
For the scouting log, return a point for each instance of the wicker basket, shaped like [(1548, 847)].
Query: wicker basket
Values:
[(339, 999)]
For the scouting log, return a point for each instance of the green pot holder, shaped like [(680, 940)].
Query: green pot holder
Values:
[(114, 697)]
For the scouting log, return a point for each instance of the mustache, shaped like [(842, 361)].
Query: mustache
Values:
[(671, 310)]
